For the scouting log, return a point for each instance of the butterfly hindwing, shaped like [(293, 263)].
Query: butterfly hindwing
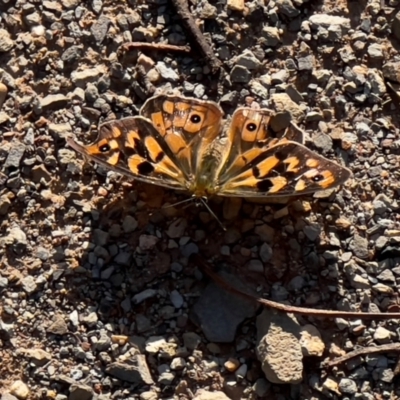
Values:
[(285, 169)]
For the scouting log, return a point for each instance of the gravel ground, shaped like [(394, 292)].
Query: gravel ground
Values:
[(98, 297)]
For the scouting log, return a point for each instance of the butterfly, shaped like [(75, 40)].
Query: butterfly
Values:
[(180, 143)]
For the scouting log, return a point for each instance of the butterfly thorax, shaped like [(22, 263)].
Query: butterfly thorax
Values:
[(204, 182)]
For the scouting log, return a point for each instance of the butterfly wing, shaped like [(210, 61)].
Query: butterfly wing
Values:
[(187, 125), (249, 134), (133, 146), (284, 169)]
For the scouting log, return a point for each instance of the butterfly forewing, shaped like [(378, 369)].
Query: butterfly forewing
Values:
[(188, 126), (133, 147), (285, 169)]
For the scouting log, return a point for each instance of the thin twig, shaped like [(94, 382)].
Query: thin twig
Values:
[(152, 46), (362, 351), (286, 308), (183, 11)]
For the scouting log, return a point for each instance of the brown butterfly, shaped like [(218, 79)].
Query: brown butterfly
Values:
[(179, 143)]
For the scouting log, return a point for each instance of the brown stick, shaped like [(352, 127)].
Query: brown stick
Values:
[(385, 348), (183, 11), (290, 309), (152, 46)]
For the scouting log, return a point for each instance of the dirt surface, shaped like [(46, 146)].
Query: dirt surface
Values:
[(99, 296)]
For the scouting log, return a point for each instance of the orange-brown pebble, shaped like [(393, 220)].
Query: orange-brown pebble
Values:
[(120, 339), (232, 364), (102, 192)]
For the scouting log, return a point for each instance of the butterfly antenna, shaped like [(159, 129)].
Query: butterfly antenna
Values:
[(212, 213), (178, 203)]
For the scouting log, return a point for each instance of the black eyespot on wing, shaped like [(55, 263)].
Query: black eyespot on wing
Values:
[(160, 156), (280, 169), (281, 155), (105, 148), (317, 178), (256, 171), (195, 118), (251, 126), (145, 168), (140, 148), (129, 151), (264, 185)]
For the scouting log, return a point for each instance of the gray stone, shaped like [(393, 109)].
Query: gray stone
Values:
[(6, 42), (287, 8), (312, 232), (323, 142), (129, 224), (72, 54), (5, 204), (38, 357), (261, 387), (326, 21), (90, 319), (15, 154), (258, 89), (240, 74), (255, 266), (189, 249), (3, 282), (359, 247), (53, 101), (143, 324), (382, 335), (279, 349), (123, 258), (296, 284), (265, 252), (97, 6), (8, 396), (248, 60), (144, 295), (100, 237), (91, 93), (347, 386), (100, 28), (58, 325), (203, 394), (271, 36), (32, 19), (82, 78), (134, 370), (167, 73), (191, 340), (396, 26), (208, 11), (375, 51), (176, 299), (279, 77), (305, 63), (375, 78), (219, 312), (229, 98), (80, 391)]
